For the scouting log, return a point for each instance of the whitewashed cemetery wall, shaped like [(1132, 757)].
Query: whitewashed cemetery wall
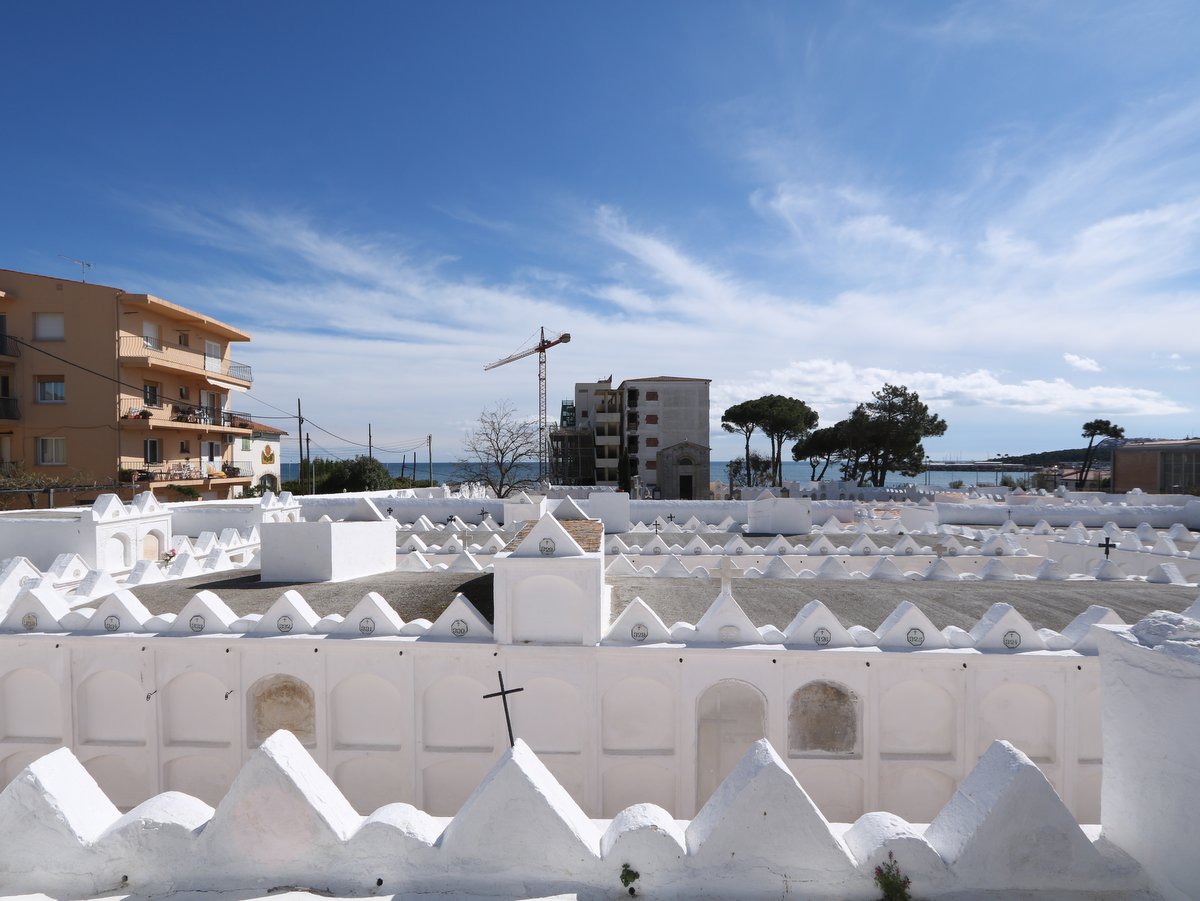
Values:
[(403, 719)]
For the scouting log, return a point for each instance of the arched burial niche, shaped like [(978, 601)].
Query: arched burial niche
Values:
[(823, 721), (153, 545), (281, 702), (730, 716)]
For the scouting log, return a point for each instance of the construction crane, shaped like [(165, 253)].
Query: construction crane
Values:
[(540, 347)]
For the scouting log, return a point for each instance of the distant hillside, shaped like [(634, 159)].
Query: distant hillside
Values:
[(1103, 454)]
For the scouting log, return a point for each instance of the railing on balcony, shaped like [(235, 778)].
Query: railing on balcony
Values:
[(180, 412), (9, 408), (10, 346), (184, 357)]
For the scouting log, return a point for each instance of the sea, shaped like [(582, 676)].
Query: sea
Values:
[(792, 472)]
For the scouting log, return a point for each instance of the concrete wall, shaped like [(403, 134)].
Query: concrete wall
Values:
[(403, 718)]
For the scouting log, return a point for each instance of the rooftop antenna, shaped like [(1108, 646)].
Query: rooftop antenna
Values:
[(83, 265)]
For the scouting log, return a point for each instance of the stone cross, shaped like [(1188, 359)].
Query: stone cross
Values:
[(1107, 544), (727, 569), (503, 694), (671, 517)]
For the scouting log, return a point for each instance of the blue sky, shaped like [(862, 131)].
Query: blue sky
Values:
[(996, 204)]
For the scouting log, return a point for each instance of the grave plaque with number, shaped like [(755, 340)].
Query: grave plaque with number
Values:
[(459, 628), (1012, 639), (915, 637), (196, 623), (822, 637), (112, 623), (284, 624), (639, 632), (366, 626)]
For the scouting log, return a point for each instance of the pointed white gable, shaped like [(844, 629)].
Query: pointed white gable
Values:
[(106, 508), (36, 609), (460, 621), (145, 572), (548, 538), (567, 509), (371, 617), (885, 570), (463, 563), (1002, 628), (778, 568), (452, 545), (121, 611), (777, 545), (697, 546), (616, 546), (413, 562), (66, 569), (486, 832), (621, 566), (655, 546), (725, 622), (986, 826), (996, 570), (290, 615), (760, 815), (145, 502), (97, 583), (637, 624), (1166, 574), (909, 629), (204, 614), (673, 568), (280, 776), (908, 547), (863, 546), (939, 571), (1051, 571), (1078, 633), (833, 569), (737, 547), (1107, 571), (184, 565), (816, 626)]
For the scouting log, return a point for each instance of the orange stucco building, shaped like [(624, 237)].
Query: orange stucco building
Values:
[(98, 385)]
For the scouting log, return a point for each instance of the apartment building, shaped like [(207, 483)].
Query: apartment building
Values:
[(660, 424), (1157, 467), (98, 385)]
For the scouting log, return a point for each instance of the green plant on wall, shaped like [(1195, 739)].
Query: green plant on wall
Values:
[(628, 877), (891, 881)]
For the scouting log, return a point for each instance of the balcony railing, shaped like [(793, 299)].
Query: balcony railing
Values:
[(9, 408), (9, 346), (188, 413), (183, 357)]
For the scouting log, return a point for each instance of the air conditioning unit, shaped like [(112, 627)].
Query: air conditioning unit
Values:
[(229, 439)]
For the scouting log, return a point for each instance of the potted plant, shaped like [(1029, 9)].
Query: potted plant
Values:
[(233, 471), (144, 414)]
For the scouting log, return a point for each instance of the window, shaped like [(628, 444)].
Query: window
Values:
[(651, 419), (184, 340), (651, 395), (49, 327), (183, 392), (652, 464), (150, 394), (185, 447), (651, 442), (52, 451), (245, 444), (212, 356), (51, 389), (150, 336), (151, 451)]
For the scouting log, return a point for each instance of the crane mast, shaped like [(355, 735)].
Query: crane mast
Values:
[(540, 347)]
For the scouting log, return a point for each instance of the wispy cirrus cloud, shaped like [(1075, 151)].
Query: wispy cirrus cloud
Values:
[(1083, 364)]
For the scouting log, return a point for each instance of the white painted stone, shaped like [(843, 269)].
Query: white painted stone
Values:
[(762, 817), (204, 614), (816, 626), (519, 806), (121, 611), (49, 815), (885, 570), (1002, 628), (638, 624), (372, 617), (725, 622), (36, 609), (289, 615), (907, 628), (873, 835), (1006, 826), (281, 820), (460, 621)]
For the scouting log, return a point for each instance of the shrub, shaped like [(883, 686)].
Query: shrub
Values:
[(891, 881)]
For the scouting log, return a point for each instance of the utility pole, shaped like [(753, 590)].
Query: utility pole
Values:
[(429, 444), (300, 442), (312, 476), (370, 443)]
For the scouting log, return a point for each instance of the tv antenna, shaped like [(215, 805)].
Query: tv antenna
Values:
[(83, 265)]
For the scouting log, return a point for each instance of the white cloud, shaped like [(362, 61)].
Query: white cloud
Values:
[(1083, 364)]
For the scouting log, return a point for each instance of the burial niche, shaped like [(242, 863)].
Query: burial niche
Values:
[(282, 702), (823, 721), (730, 716)]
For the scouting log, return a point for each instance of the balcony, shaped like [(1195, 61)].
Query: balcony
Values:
[(9, 346), (9, 408), (135, 350), (190, 417)]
